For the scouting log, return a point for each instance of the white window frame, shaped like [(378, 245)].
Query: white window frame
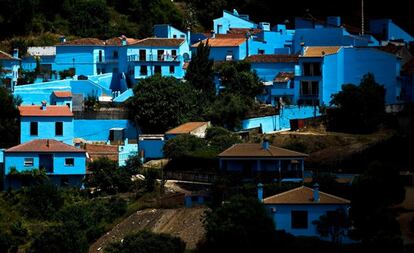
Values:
[(70, 165), (28, 162)]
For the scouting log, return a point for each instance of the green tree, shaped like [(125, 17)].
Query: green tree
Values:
[(200, 72), (221, 139), (89, 18), (9, 114), (241, 225), (107, 177), (5, 242), (229, 110), (42, 200), (374, 192), (360, 108), (182, 146), (237, 78), (147, 242), (60, 238), (161, 103), (333, 225)]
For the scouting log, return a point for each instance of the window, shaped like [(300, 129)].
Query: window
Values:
[(260, 51), (115, 54), (70, 162), (174, 36), (59, 128), (309, 88), (33, 128), (28, 162), (142, 55), (160, 55), (299, 219), (174, 54), (312, 68), (157, 69), (172, 69), (143, 70), (100, 56), (68, 105)]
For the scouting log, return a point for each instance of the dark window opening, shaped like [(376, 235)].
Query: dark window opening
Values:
[(33, 128), (309, 88), (100, 56), (143, 70), (157, 69), (160, 55), (172, 69), (115, 54), (260, 51), (299, 219), (312, 69), (59, 128), (70, 162), (142, 55)]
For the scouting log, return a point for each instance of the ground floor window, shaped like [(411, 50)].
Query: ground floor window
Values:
[(143, 70), (28, 162), (69, 162), (299, 219), (309, 88)]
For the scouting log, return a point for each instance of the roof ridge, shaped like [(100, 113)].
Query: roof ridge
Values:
[(289, 150), (285, 192)]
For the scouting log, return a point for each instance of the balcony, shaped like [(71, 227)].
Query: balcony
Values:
[(154, 58)]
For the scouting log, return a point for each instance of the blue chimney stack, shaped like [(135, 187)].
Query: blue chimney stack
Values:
[(316, 192), (265, 144), (260, 192)]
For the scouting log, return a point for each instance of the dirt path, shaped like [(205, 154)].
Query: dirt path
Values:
[(182, 222)]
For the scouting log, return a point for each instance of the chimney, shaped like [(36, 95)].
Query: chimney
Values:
[(62, 39), (188, 36), (44, 103), (16, 53), (316, 192), (260, 192), (123, 40), (213, 34), (265, 144)]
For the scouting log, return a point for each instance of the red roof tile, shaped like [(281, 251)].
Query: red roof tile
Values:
[(320, 51), (51, 111), (44, 145), (256, 150), (6, 56), (282, 77), (96, 151), (187, 128), (272, 58), (117, 41), (159, 42), (62, 94), (303, 195), (83, 42), (222, 42), (243, 31)]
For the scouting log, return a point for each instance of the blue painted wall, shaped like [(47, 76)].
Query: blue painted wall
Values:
[(16, 160), (268, 71), (152, 148), (81, 57), (389, 30), (46, 129), (231, 20), (98, 130), (282, 217), (279, 122)]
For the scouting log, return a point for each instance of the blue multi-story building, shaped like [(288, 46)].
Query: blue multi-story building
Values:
[(64, 164), (46, 122), (10, 65), (386, 30), (323, 71)]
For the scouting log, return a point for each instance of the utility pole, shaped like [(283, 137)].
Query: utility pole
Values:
[(362, 18)]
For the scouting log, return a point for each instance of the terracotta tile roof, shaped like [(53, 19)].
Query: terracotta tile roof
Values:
[(222, 42), (282, 77), (83, 42), (117, 41), (303, 195), (62, 94), (44, 145), (159, 42), (243, 31), (96, 151), (273, 58), (229, 36), (51, 111), (187, 128), (256, 150), (320, 51), (6, 56)]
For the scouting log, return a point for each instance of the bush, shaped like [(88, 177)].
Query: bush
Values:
[(147, 242)]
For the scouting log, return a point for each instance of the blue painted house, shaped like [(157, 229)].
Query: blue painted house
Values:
[(232, 20), (312, 32), (294, 211), (323, 71), (64, 164), (62, 98), (45, 58), (253, 159), (226, 48), (150, 56), (46, 122), (10, 65), (150, 146), (276, 71), (386, 30)]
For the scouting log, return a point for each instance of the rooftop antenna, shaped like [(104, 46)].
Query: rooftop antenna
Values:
[(362, 18)]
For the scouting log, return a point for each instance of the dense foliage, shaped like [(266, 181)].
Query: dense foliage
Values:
[(147, 242), (161, 103), (241, 225), (9, 114), (360, 108)]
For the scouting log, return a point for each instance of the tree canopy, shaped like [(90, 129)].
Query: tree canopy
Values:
[(240, 225), (161, 103), (9, 114)]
